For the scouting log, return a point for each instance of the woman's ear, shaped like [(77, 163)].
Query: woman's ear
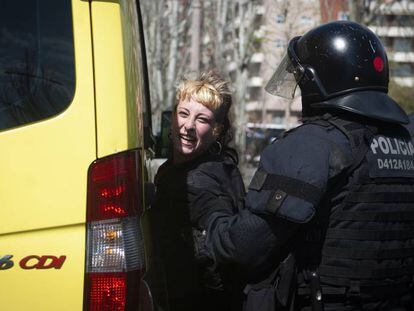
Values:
[(217, 130)]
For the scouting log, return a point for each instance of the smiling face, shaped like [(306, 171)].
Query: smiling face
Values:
[(192, 130)]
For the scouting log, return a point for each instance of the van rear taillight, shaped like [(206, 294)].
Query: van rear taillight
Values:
[(115, 247)]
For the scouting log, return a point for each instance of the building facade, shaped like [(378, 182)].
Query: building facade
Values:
[(281, 21), (394, 24)]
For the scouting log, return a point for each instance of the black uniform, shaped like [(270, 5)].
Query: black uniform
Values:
[(330, 218), (180, 259)]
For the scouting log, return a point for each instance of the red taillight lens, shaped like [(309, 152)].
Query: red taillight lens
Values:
[(107, 292), (115, 247), (115, 187), (113, 291)]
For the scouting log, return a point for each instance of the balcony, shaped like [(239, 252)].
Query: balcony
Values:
[(231, 66), (393, 31), (404, 81), (253, 106), (260, 10), (260, 33), (405, 57), (398, 7), (257, 58), (255, 82)]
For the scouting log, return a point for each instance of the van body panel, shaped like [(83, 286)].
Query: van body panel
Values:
[(43, 189), (44, 289), (111, 112), (135, 73), (44, 163), (48, 185)]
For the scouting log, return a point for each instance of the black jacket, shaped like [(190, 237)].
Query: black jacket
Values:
[(191, 278)]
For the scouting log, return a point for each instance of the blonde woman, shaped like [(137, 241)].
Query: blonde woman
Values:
[(202, 166)]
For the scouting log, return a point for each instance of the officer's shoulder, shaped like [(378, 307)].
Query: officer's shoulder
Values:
[(308, 143), (311, 133)]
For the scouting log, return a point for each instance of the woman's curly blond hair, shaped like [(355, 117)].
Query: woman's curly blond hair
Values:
[(212, 91)]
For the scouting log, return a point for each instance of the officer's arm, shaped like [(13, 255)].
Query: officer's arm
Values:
[(284, 193), (252, 241), (247, 239)]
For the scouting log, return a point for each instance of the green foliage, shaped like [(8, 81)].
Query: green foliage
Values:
[(403, 95)]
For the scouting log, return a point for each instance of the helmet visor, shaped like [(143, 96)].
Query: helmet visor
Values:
[(283, 82)]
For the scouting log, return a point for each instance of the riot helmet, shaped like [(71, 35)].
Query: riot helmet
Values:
[(341, 65)]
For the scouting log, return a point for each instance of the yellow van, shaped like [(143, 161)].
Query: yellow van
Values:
[(75, 143)]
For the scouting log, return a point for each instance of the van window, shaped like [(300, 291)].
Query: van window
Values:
[(37, 74)]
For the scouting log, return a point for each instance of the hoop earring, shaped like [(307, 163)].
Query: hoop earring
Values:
[(216, 149)]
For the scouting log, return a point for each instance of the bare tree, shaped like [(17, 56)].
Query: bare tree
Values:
[(195, 36), (232, 25), (223, 42), (242, 13), (166, 24), (285, 19), (184, 35)]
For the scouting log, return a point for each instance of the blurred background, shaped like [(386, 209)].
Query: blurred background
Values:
[(245, 41)]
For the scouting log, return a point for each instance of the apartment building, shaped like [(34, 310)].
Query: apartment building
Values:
[(281, 21), (391, 20), (394, 24)]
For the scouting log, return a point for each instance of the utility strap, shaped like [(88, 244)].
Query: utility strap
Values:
[(363, 272), (369, 235), (353, 253), (378, 216), (294, 187), (380, 197)]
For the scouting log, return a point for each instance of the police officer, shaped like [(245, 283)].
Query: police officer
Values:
[(329, 223)]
